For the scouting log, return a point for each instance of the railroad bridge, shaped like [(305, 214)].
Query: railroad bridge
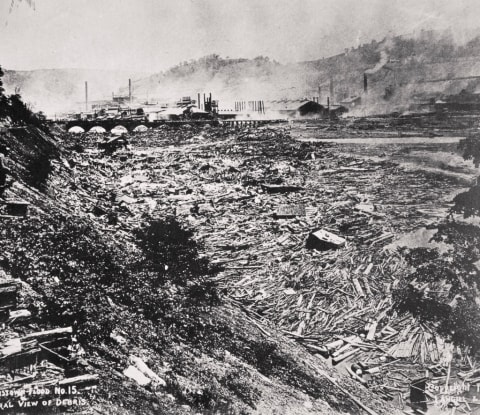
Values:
[(130, 125)]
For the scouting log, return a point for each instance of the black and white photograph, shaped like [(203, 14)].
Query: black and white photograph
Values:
[(240, 207)]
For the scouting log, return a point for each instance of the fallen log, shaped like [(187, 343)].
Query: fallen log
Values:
[(79, 380)]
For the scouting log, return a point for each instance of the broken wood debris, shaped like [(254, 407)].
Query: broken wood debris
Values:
[(242, 201), (324, 240), (287, 211)]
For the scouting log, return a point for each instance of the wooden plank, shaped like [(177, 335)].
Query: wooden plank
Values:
[(289, 211), (358, 287), (79, 380), (41, 335)]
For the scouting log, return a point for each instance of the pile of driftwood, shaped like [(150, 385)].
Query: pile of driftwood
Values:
[(300, 231)]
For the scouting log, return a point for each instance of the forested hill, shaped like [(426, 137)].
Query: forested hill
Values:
[(400, 71)]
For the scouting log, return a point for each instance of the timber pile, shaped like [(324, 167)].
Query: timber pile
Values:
[(253, 198), (33, 361)]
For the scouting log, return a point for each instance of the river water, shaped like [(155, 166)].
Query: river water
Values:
[(381, 140)]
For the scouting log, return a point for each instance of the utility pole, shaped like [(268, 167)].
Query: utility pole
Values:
[(130, 91), (86, 96)]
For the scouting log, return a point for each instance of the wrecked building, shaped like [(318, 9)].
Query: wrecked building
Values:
[(303, 108)]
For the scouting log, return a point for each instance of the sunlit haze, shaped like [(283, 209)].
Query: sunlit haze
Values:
[(151, 35)]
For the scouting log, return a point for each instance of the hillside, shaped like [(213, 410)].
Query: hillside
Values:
[(401, 71)]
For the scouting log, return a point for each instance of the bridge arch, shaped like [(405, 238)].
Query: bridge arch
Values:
[(108, 124), (76, 129)]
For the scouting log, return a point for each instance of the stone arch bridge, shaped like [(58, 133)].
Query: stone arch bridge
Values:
[(130, 125)]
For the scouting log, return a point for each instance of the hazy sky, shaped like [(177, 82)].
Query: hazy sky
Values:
[(151, 35)]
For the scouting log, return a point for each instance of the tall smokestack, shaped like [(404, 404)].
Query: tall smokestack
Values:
[(86, 96), (130, 91), (332, 90), (198, 102), (365, 83)]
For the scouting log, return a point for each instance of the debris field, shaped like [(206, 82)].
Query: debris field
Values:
[(256, 199), (300, 231)]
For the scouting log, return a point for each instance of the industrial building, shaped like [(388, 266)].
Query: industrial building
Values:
[(303, 108)]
